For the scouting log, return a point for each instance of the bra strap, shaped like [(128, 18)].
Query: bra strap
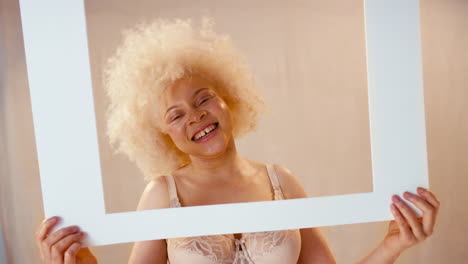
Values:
[(275, 182), (172, 189)]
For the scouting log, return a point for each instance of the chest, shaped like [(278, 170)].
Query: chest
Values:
[(258, 189)]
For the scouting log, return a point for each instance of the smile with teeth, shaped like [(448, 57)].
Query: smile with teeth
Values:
[(205, 132)]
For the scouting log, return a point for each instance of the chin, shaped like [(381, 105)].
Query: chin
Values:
[(214, 149)]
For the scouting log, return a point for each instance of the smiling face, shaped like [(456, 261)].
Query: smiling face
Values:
[(196, 118)]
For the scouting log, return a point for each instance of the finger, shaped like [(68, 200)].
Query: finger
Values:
[(410, 216), (70, 254), (59, 248), (45, 228), (393, 224), (404, 230), (429, 211), (55, 237), (404, 227), (430, 197)]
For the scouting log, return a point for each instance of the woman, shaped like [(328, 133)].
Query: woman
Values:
[(178, 99)]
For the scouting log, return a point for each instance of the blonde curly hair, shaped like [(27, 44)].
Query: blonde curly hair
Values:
[(151, 57)]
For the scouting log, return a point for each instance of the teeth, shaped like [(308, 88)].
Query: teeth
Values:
[(199, 135), (204, 132)]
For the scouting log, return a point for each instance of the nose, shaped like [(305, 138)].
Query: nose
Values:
[(197, 116)]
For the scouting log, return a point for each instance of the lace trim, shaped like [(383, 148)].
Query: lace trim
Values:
[(219, 248), (260, 244)]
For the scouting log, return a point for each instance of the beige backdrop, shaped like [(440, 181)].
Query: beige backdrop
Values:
[(318, 125), (329, 74)]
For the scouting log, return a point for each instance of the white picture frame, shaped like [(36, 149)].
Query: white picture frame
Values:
[(65, 131)]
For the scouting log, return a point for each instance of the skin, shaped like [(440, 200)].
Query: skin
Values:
[(218, 175), (62, 246)]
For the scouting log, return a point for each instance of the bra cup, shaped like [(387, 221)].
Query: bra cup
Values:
[(216, 249), (263, 247), (274, 247), (184, 256)]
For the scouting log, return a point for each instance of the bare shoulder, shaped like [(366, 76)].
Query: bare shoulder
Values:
[(290, 185), (155, 195)]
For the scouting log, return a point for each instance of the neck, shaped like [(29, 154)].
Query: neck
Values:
[(224, 167)]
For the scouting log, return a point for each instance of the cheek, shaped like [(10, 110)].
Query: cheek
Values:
[(176, 133)]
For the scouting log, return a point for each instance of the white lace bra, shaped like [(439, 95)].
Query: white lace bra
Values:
[(282, 247)]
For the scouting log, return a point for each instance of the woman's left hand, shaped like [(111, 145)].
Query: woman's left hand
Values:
[(407, 229)]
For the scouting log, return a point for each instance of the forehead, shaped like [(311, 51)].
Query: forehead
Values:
[(183, 89)]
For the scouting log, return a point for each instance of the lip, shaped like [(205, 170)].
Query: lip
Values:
[(212, 134), (203, 128)]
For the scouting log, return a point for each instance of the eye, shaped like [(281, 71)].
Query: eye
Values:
[(204, 100), (176, 117)]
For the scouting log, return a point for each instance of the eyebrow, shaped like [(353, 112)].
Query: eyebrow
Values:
[(194, 95)]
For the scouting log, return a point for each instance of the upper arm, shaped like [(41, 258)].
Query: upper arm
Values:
[(155, 196), (314, 248)]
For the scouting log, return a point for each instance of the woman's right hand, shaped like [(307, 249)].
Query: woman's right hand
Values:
[(62, 246)]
